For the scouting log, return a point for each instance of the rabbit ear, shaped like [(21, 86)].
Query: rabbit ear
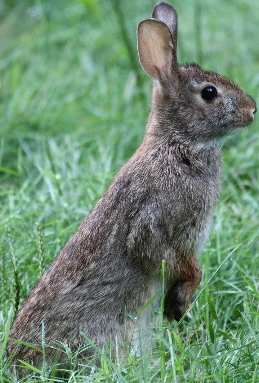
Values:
[(155, 48), (167, 14)]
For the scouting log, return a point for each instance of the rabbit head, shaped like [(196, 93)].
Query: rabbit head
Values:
[(188, 103)]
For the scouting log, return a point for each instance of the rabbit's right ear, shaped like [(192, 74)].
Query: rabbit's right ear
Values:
[(168, 15), (157, 53)]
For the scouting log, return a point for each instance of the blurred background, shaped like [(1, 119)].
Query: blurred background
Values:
[(73, 108)]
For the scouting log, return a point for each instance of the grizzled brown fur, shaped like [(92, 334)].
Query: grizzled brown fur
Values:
[(158, 208)]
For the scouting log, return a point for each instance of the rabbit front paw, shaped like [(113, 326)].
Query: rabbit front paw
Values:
[(176, 302)]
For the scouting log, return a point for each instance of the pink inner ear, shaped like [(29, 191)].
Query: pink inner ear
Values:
[(155, 48)]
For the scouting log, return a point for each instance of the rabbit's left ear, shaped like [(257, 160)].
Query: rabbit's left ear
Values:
[(167, 14), (156, 49)]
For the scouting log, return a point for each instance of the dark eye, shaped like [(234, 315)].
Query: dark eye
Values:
[(209, 93)]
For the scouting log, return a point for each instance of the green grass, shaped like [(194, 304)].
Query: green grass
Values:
[(71, 113)]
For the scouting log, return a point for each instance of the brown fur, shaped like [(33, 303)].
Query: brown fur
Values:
[(158, 208)]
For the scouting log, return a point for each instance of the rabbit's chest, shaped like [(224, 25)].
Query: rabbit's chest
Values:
[(191, 234), (190, 226)]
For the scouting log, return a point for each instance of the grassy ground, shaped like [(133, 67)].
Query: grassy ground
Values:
[(71, 113)]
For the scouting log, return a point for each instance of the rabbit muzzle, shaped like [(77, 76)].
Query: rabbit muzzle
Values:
[(248, 111)]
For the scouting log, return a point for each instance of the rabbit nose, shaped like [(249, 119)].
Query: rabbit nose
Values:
[(253, 108), (253, 112)]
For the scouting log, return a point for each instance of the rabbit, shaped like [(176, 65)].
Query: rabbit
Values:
[(158, 209)]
